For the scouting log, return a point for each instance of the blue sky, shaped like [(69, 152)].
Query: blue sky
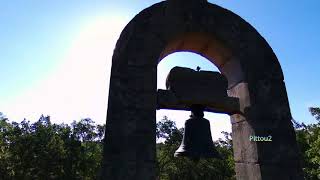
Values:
[(55, 56)]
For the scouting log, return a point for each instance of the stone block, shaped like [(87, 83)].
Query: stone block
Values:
[(186, 82), (241, 91), (290, 171), (244, 150), (232, 70), (246, 171), (282, 149)]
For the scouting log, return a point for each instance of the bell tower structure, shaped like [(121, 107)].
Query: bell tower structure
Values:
[(240, 53)]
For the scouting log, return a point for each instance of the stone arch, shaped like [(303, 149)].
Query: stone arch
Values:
[(240, 53)]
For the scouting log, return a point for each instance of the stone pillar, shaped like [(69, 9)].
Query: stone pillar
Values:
[(266, 114), (130, 148)]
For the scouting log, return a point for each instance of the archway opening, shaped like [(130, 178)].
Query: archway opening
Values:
[(218, 122)]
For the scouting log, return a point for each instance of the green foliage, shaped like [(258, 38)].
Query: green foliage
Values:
[(171, 168), (315, 111), (43, 150), (308, 138)]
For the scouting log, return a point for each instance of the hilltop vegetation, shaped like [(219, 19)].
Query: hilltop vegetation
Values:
[(44, 150)]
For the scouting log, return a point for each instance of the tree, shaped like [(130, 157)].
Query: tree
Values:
[(308, 138), (315, 111), (43, 150)]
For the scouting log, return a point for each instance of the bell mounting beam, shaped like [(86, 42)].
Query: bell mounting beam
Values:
[(166, 99), (186, 87)]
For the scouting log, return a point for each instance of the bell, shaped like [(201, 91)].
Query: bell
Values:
[(197, 141)]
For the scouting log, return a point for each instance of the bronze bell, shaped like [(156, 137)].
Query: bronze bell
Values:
[(197, 141)]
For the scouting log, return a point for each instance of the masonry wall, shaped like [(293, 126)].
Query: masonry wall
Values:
[(240, 53)]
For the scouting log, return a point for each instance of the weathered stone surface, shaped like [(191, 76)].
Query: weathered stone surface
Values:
[(241, 54), (241, 91), (186, 82), (245, 171), (289, 171), (232, 70), (245, 151)]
